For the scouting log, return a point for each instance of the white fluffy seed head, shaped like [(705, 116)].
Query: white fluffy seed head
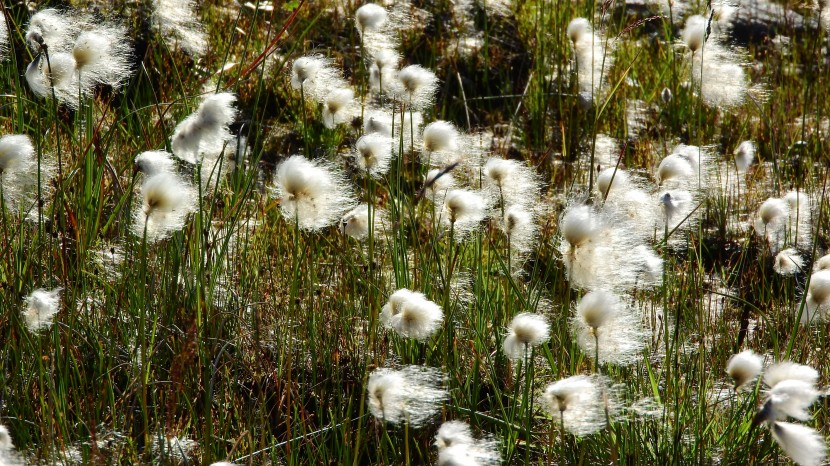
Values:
[(694, 34), (803, 444), (103, 56), (525, 332), (788, 262), (155, 161), (567, 393), (15, 151), (205, 132), (596, 308), (412, 394), (823, 263), (54, 28), (440, 136), (578, 28), (790, 398), (819, 288), (612, 177), (675, 167), (370, 17), (314, 194), (772, 213), (579, 402), (463, 210), (315, 77), (788, 370), (744, 367), (417, 86), (579, 225), (453, 433), (744, 156), (165, 202), (411, 315), (606, 327), (373, 154), (180, 26), (40, 308), (337, 107)]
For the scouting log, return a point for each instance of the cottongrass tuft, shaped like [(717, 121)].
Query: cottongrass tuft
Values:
[(744, 156), (102, 56), (315, 77), (525, 332), (817, 303), (580, 402), (413, 394), (373, 154), (355, 223), (40, 308), (370, 17), (594, 57), (457, 446), (788, 262), (54, 28), (152, 162), (606, 328), (410, 314), (179, 25), (338, 107), (519, 225), (417, 86), (694, 34), (314, 194), (58, 74), (792, 391), (204, 133), (441, 143), (165, 201), (804, 445), (744, 367), (512, 182), (788, 370), (463, 211), (822, 263), (19, 173)]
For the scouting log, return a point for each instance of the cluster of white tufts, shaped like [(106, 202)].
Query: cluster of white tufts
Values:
[(204, 134), (583, 404), (165, 201), (593, 57), (74, 55), (177, 448), (457, 446), (600, 252), (410, 314), (609, 329), (314, 194), (525, 332), (744, 367), (412, 394), (718, 70), (785, 221), (364, 220), (817, 301), (21, 175), (791, 391), (179, 26), (40, 308)]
